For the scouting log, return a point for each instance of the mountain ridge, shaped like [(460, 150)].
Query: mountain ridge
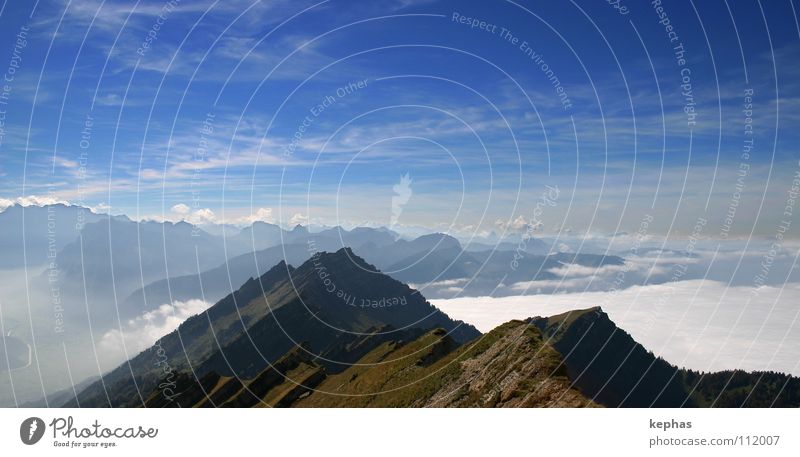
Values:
[(303, 337), (266, 316)]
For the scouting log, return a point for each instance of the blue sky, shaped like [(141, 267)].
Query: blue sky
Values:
[(199, 124)]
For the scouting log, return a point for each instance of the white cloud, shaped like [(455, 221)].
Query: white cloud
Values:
[(559, 285), (518, 225), (203, 216), (147, 174), (38, 200), (66, 163), (207, 216), (180, 208), (101, 208), (31, 200), (298, 218), (572, 270), (109, 100), (141, 332), (262, 215), (563, 247), (581, 278), (450, 282), (704, 325), (182, 212), (448, 286)]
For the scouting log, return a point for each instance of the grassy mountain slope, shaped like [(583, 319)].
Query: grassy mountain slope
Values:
[(509, 367)]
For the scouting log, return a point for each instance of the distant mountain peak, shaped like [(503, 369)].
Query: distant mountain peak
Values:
[(438, 236), (341, 259)]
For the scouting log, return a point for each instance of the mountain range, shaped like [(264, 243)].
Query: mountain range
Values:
[(337, 332), (425, 261), (28, 234), (111, 268), (81, 278)]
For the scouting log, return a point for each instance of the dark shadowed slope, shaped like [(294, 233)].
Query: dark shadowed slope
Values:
[(607, 365)]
